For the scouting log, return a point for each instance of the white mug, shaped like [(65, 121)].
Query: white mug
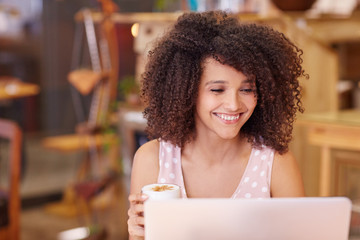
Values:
[(161, 191)]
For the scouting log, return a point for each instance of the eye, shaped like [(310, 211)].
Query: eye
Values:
[(217, 90), (247, 90)]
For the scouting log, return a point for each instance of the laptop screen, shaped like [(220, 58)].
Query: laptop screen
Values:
[(233, 219)]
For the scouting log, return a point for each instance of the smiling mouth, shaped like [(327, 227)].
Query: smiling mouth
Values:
[(227, 117)]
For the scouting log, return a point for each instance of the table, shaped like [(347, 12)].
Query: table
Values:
[(11, 88), (338, 130), (76, 142)]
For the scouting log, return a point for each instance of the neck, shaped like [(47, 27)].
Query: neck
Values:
[(215, 150)]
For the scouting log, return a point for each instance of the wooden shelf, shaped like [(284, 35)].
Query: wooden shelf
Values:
[(163, 17), (331, 29)]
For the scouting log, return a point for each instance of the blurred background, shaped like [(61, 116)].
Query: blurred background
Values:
[(69, 78)]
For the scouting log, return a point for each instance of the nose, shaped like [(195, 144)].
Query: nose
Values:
[(233, 101)]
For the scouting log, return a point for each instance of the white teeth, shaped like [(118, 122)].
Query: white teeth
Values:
[(227, 117)]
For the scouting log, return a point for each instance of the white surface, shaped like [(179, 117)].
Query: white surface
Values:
[(136, 117), (226, 219)]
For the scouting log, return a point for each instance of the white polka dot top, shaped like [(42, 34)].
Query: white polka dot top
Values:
[(255, 183)]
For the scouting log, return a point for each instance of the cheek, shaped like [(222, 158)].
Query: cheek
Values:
[(251, 102), (206, 102), (255, 101)]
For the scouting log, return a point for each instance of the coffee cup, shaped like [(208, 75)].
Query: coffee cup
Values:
[(161, 191)]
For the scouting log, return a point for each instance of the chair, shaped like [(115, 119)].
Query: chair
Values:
[(11, 132)]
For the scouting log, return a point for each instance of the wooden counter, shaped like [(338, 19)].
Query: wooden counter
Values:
[(331, 130)]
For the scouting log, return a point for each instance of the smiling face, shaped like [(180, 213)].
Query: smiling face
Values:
[(225, 102)]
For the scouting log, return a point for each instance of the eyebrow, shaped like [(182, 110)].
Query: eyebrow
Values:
[(223, 81), (215, 82)]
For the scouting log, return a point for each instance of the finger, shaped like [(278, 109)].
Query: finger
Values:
[(133, 198), (135, 230), (139, 221), (137, 238), (138, 209), (137, 234), (136, 221), (131, 212), (137, 198)]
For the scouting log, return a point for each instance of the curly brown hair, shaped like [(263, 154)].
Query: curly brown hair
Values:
[(171, 79)]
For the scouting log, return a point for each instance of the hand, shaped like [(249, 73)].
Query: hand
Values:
[(136, 216)]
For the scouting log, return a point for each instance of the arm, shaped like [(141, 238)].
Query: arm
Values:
[(144, 171), (286, 180)]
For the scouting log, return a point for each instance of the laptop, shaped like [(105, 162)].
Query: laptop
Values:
[(312, 218)]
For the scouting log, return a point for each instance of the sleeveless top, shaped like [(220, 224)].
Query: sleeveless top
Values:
[(255, 182)]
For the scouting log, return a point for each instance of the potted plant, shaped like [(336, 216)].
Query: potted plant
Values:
[(129, 89)]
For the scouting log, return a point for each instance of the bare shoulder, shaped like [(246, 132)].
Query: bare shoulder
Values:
[(149, 149), (286, 179), (145, 166)]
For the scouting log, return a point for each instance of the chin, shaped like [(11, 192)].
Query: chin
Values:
[(230, 136)]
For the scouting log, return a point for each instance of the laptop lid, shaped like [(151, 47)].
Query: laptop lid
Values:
[(233, 219)]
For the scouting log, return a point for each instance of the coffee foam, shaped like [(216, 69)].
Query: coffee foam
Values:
[(161, 191)]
